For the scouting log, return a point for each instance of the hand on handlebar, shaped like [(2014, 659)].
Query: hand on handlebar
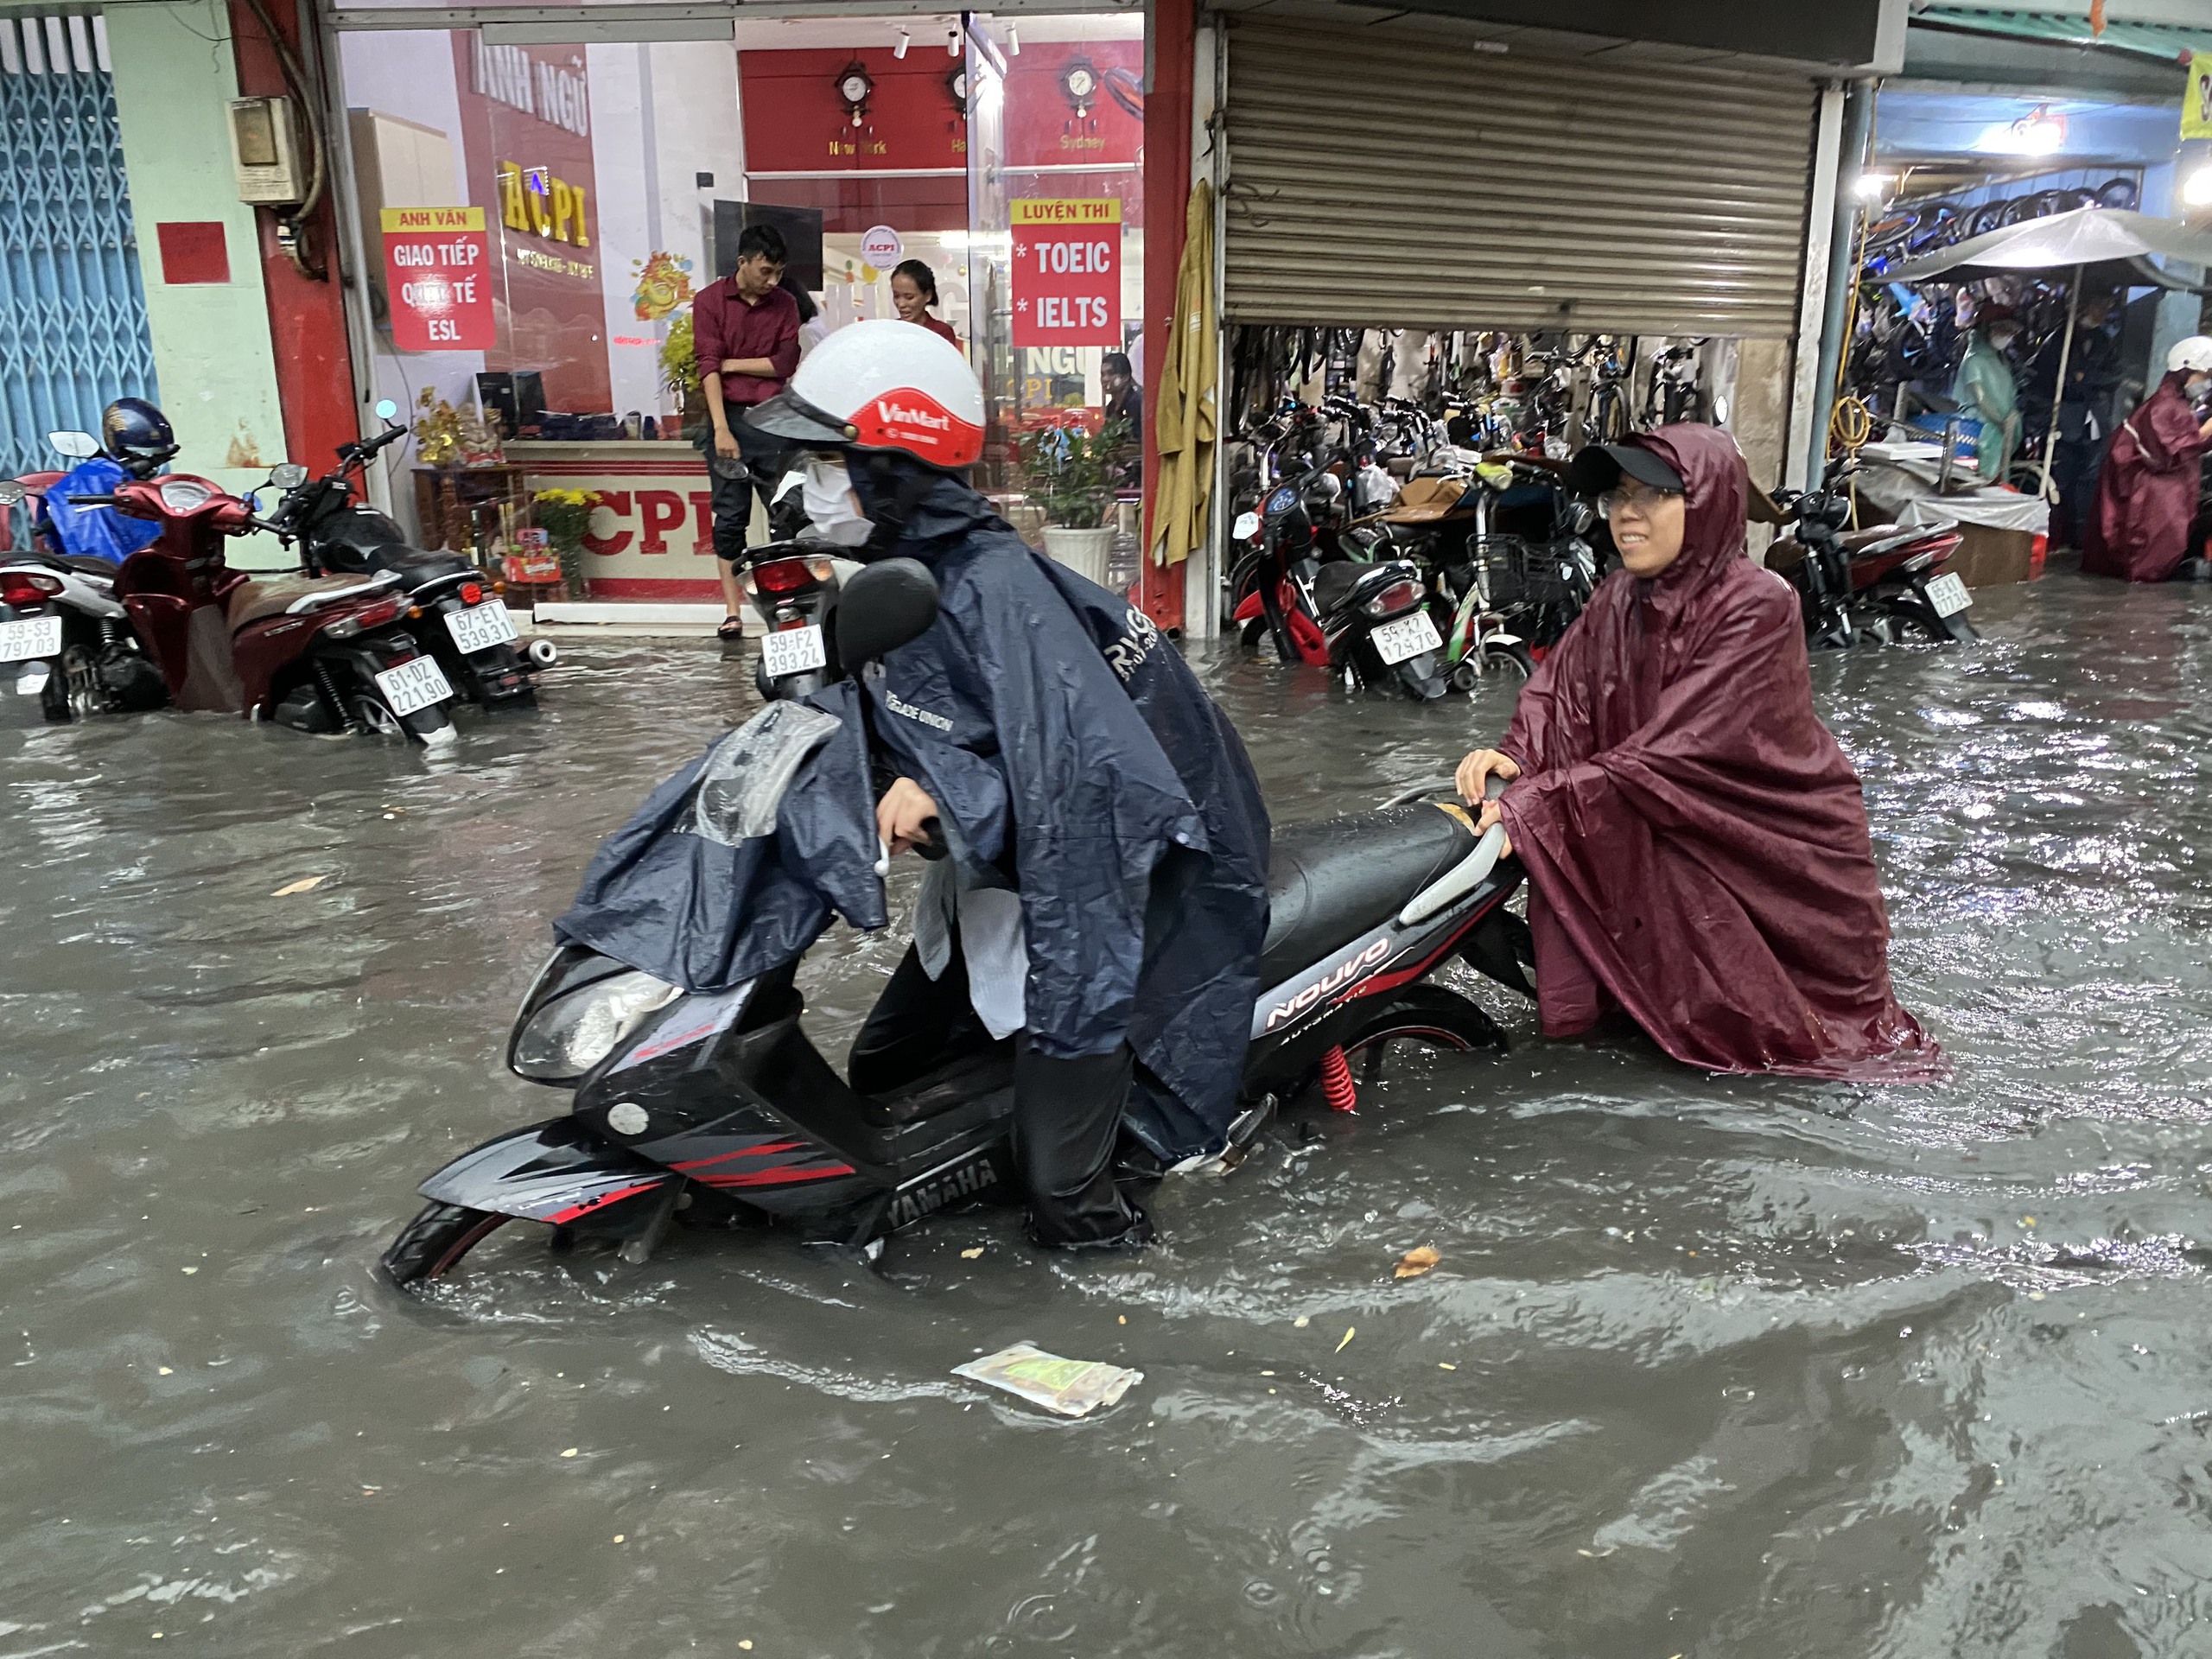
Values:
[(1473, 779)]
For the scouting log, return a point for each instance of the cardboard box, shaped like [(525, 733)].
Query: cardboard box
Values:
[(1990, 558)]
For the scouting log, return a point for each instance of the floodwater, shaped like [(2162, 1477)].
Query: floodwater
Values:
[(1710, 1367)]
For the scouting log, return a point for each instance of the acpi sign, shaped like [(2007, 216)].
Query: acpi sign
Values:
[(436, 274)]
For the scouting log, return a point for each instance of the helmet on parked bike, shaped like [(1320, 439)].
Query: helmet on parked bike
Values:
[(2194, 354), (137, 434), (885, 388)]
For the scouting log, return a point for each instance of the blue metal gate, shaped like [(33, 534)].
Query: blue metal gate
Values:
[(72, 312)]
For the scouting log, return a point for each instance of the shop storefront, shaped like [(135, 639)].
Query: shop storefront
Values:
[(1474, 191), (604, 181), (2058, 118)]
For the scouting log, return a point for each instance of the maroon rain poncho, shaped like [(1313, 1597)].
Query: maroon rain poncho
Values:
[(2146, 494), (1695, 840)]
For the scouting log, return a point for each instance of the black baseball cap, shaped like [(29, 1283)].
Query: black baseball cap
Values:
[(1599, 466)]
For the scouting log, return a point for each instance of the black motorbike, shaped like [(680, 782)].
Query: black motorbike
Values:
[(1882, 585), (456, 616), (718, 1109)]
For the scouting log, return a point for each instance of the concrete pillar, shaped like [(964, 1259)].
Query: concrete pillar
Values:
[(176, 73)]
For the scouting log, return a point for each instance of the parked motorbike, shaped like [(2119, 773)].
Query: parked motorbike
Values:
[(69, 640), (326, 655), (1884, 584), (456, 617), (719, 1107)]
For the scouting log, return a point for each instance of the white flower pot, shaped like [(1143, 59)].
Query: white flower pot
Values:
[(1082, 551)]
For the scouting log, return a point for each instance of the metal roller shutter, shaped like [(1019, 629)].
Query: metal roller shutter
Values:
[(1394, 177)]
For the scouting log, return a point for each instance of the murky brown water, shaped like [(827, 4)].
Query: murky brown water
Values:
[(1710, 1368)]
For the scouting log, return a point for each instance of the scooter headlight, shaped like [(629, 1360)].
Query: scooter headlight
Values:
[(571, 1034)]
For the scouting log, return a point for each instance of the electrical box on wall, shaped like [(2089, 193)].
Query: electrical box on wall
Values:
[(264, 148)]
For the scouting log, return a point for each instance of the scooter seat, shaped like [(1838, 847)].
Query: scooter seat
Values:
[(1853, 540), (1331, 882), (1334, 581), (254, 602), (417, 566), (77, 564)]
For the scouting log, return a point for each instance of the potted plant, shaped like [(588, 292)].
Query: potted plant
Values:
[(564, 516), (679, 372), (1070, 473)]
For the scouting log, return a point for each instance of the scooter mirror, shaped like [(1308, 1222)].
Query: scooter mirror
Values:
[(289, 476), (78, 446), (386, 409), (11, 492), (884, 607)]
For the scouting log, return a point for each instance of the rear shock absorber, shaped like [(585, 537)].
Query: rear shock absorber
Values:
[(328, 682), (1336, 1081)]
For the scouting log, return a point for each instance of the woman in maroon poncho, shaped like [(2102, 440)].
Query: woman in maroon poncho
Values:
[(2146, 494), (1696, 843)]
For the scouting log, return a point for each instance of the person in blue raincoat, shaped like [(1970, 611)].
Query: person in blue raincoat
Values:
[(138, 443), (1103, 899)]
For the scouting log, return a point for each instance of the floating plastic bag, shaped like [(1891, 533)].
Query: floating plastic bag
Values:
[(744, 779), (1072, 1387)]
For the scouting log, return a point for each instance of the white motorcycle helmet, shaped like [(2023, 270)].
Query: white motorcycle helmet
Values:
[(882, 388), (2194, 354)]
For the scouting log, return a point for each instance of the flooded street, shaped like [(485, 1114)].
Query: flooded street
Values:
[(1720, 1368)]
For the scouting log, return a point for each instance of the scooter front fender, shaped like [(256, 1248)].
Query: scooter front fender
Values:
[(558, 1171)]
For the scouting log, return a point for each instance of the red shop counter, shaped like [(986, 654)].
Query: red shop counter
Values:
[(651, 536)]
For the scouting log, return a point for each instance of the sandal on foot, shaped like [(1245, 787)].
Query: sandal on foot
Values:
[(733, 627)]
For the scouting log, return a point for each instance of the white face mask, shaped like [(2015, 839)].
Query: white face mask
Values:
[(831, 507)]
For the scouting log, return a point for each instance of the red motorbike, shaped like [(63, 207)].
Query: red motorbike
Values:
[(329, 654)]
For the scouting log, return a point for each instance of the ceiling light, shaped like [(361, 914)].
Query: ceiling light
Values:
[(2037, 133), (2197, 190), (1874, 186), (1012, 41), (900, 50)]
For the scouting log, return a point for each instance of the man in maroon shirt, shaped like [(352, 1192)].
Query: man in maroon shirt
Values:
[(745, 330)]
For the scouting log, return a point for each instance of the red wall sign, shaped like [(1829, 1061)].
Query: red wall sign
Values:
[(437, 269), (1067, 272)]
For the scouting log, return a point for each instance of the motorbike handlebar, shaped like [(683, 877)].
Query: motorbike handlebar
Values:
[(91, 500)]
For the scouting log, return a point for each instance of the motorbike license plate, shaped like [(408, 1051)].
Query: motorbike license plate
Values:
[(792, 650), (1408, 636), (413, 685), (1947, 594), (30, 638), (479, 627)]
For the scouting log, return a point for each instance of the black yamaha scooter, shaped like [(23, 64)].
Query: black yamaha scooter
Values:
[(719, 1108), (456, 616)]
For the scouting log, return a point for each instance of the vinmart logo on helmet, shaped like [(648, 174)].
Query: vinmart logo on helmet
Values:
[(917, 422)]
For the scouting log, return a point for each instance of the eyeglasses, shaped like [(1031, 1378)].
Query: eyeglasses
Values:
[(1641, 497)]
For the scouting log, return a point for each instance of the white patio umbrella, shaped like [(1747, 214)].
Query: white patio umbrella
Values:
[(2111, 244)]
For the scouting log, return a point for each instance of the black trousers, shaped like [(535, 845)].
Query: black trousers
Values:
[(737, 484), (1067, 1114)]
